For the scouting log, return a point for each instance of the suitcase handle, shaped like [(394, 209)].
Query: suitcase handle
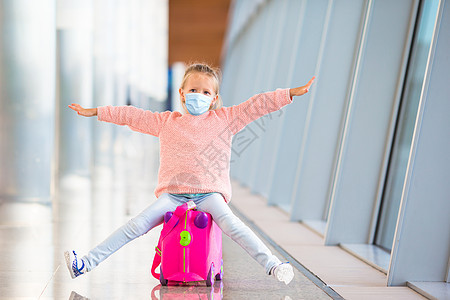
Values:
[(179, 212)]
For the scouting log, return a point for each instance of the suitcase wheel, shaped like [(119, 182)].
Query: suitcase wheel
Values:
[(163, 281), (219, 276), (210, 278)]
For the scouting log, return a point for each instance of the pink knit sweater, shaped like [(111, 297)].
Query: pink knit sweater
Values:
[(195, 150)]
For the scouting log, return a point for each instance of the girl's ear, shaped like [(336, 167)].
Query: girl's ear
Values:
[(214, 100), (181, 95)]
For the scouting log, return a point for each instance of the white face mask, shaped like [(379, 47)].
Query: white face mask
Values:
[(197, 103)]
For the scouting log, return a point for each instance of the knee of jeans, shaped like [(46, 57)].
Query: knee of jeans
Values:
[(230, 224), (137, 226)]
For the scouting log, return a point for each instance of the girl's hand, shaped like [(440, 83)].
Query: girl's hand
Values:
[(301, 90), (86, 112)]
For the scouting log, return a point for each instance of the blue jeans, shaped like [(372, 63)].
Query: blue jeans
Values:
[(153, 215)]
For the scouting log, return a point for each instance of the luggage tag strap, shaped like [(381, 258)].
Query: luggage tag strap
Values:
[(182, 209), (178, 214)]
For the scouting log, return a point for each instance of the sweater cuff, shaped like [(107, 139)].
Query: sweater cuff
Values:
[(286, 98), (100, 113)]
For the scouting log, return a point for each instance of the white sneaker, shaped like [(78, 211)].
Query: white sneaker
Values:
[(74, 264), (283, 272)]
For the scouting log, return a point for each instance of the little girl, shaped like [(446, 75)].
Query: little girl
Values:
[(195, 150)]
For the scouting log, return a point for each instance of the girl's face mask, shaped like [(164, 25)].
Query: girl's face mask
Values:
[(197, 103)]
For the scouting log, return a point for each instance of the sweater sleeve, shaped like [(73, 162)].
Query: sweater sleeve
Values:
[(239, 116), (136, 119)]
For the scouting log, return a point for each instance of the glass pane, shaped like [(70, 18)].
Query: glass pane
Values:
[(405, 124)]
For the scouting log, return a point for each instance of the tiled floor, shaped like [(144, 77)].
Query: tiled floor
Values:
[(34, 236)]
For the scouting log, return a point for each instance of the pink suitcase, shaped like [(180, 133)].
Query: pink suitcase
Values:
[(189, 248)]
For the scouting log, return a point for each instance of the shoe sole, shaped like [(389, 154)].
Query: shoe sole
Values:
[(69, 263), (285, 274)]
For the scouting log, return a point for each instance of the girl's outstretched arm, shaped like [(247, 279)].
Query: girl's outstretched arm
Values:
[(302, 89), (136, 119), (86, 112)]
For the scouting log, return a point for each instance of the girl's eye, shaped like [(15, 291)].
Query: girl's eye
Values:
[(206, 92), (192, 90)]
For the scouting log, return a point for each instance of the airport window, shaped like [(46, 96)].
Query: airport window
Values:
[(405, 124)]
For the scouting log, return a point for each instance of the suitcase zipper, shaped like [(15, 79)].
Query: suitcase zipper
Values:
[(184, 248)]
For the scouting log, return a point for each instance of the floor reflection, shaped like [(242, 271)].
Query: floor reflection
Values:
[(192, 290), (75, 296)]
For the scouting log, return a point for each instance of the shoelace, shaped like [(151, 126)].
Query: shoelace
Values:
[(76, 270)]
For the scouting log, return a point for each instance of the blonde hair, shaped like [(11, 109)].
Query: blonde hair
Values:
[(214, 73)]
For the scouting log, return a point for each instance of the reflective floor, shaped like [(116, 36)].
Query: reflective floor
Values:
[(34, 236)]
